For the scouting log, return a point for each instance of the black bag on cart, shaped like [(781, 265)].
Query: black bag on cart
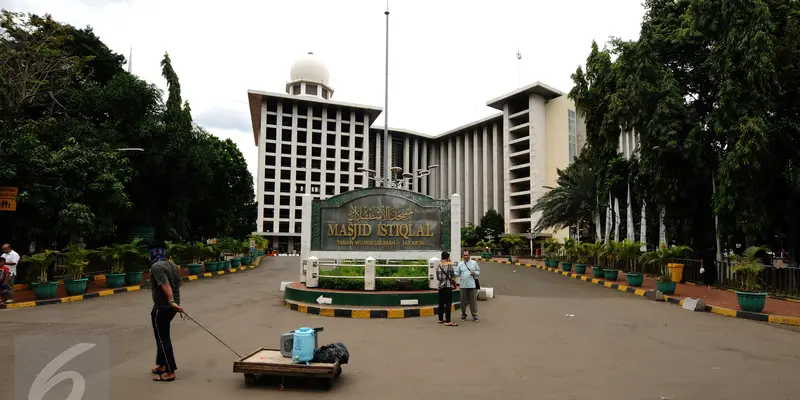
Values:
[(331, 353)]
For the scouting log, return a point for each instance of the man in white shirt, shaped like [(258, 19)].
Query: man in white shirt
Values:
[(10, 259)]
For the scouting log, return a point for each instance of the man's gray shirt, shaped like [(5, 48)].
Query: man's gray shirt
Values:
[(162, 272)]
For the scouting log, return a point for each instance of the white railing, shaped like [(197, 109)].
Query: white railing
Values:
[(310, 268)]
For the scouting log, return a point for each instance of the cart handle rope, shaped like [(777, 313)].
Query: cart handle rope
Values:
[(184, 315)]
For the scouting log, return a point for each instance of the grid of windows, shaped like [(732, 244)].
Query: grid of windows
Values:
[(306, 144)]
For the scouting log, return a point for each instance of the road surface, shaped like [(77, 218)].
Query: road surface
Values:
[(616, 346)]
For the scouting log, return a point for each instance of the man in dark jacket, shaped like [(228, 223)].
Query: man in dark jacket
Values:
[(165, 279)]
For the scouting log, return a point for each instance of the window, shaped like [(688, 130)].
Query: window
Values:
[(311, 89), (297, 226), (324, 95), (296, 89), (284, 213), (572, 135)]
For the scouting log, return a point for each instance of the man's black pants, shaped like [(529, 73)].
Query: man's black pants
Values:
[(161, 318), (445, 303)]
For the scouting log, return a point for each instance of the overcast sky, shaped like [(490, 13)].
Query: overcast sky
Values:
[(447, 58)]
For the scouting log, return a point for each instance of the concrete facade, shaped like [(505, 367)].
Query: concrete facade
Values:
[(310, 144)]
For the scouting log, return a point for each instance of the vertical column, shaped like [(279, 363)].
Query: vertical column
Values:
[(441, 191), (459, 172), (406, 152), (497, 171), (351, 160), (365, 151), (369, 274), (425, 189), (433, 281), (378, 164), (292, 174), (278, 152), (323, 176), (468, 186), (538, 155), (477, 179), (262, 136), (506, 172), (305, 227), (487, 171), (415, 185), (312, 278), (337, 177), (455, 226), (451, 169), (309, 145)]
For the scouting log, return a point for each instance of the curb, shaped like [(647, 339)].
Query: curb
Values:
[(364, 313), (109, 292), (773, 319)]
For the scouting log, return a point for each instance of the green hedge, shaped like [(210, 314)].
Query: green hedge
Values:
[(380, 284)]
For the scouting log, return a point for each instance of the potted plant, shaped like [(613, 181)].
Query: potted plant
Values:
[(593, 254), (487, 246), (665, 284), (610, 252), (37, 268), (135, 255), (74, 265), (115, 255), (551, 249), (582, 253), (513, 241), (629, 254), (747, 267), (570, 251), (213, 263), (195, 252)]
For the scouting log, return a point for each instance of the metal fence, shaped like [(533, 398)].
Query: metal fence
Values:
[(781, 281)]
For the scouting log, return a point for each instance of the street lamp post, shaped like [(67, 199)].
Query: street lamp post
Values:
[(386, 144)]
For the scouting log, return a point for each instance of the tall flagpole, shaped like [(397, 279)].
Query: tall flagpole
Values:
[(386, 145)]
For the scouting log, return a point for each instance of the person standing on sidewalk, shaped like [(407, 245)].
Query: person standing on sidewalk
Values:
[(10, 259), (469, 271), (446, 277), (166, 284)]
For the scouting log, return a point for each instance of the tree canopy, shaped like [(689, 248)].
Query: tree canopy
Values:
[(66, 108), (711, 89)]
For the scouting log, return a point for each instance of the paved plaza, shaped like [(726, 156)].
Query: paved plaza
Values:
[(612, 346)]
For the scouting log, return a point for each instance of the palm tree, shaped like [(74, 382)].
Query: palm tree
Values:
[(572, 202)]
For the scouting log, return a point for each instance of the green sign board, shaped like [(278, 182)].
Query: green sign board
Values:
[(380, 219)]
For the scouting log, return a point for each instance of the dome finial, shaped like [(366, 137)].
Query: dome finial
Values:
[(311, 53)]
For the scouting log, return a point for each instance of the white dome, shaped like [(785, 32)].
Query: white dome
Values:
[(310, 68)]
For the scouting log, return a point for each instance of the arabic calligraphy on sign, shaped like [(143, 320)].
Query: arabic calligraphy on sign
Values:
[(379, 213)]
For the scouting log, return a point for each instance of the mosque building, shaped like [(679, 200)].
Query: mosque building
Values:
[(309, 143)]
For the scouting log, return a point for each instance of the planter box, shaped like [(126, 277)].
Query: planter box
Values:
[(566, 266), (115, 280), (74, 287), (45, 290), (597, 272), (751, 301), (610, 274), (580, 268), (666, 287), (634, 279)]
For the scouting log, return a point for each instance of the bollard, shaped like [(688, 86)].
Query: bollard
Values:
[(433, 281), (312, 280), (369, 274), (303, 271)]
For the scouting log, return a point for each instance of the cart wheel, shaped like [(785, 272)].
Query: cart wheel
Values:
[(249, 379), (338, 371), (281, 387)]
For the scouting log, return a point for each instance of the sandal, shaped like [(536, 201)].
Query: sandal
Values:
[(161, 378), (441, 322), (157, 371), (451, 324)]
